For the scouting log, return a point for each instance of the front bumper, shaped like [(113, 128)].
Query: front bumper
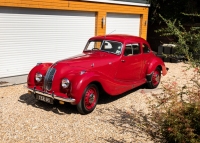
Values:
[(53, 96)]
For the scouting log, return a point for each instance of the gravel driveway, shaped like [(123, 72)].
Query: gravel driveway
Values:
[(24, 120)]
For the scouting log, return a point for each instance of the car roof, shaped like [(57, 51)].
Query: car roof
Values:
[(119, 37)]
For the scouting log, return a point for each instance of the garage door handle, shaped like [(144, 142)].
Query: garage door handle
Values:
[(123, 60)]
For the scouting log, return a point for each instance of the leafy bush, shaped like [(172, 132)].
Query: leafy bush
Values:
[(187, 42), (177, 110), (182, 124)]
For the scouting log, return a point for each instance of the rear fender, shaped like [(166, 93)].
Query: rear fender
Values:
[(153, 64)]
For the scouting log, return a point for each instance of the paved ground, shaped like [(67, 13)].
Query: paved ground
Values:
[(13, 80)]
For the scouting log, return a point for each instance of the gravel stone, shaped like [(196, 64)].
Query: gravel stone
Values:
[(115, 119)]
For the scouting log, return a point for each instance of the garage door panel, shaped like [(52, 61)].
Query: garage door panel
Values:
[(123, 24), (28, 36)]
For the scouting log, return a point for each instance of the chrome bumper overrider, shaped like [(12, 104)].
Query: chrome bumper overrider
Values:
[(53, 96)]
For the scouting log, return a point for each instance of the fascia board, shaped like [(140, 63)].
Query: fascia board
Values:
[(120, 2)]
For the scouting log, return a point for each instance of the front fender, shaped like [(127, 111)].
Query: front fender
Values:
[(155, 62), (42, 68), (80, 82)]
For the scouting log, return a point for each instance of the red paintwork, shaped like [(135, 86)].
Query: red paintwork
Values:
[(115, 78)]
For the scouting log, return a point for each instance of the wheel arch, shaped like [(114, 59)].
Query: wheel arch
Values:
[(99, 86), (148, 76), (153, 79), (160, 67), (81, 82), (153, 64)]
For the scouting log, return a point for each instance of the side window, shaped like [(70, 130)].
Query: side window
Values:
[(128, 50), (145, 48), (132, 49), (136, 48)]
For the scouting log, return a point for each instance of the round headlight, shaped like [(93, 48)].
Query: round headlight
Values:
[(65, 83), (38, 77)]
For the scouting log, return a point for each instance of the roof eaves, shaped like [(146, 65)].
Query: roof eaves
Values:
[(143, 3)]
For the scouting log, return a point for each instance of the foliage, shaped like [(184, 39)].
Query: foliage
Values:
[(178, 111), (182, 124), (173, 9), (178, 108), (187, 41)]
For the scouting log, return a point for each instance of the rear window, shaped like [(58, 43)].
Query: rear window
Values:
[(145, 48)]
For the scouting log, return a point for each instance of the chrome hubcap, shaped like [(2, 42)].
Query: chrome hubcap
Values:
[(157, 78), (91, 98)]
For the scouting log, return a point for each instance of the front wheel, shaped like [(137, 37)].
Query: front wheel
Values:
[(89, 99), (155, 78)]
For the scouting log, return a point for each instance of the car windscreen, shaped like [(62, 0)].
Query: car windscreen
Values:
[(105, 46)]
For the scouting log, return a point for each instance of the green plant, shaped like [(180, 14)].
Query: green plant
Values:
[(187, 41), (182, 124), (172, 9), (177, 111)]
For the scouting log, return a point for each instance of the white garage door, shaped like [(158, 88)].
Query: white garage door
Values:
[(29, 36), (123, 24)]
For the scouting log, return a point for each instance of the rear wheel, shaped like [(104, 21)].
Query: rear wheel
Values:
[(89, 99), (155, 78)]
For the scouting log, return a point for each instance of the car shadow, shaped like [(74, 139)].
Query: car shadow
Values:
[(57, 108), (67, 108), (105, 98)]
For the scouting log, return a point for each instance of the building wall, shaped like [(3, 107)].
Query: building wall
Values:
[(101, 10)]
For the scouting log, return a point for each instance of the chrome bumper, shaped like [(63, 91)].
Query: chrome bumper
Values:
[(53, 96)]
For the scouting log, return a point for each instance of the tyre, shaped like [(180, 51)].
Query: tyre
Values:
[(155, 78), (89, 99)]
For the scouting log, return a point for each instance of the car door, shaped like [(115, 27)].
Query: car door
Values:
[(131, 63)]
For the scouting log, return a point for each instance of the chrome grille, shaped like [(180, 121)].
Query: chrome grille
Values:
[(49, 78)]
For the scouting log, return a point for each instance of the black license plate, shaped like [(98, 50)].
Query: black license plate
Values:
[(44, 98)]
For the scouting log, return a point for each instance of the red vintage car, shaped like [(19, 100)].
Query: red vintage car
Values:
[(112, 63)]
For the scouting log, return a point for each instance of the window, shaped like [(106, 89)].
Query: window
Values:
[(92, 45), (145, 48), (132, 49), (113, 47), (107, 45), (136, 48), (128, 50)]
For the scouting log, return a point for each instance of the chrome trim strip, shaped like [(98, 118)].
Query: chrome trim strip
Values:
[(48, 79), (53, 96)]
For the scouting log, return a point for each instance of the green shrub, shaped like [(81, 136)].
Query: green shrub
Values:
[(187, 41), (182, 124), (177, 110)]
